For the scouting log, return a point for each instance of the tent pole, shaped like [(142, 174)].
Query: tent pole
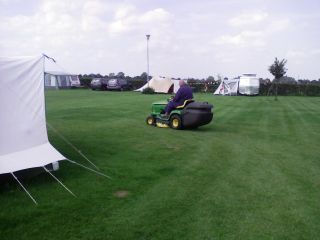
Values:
[(59, 181), (90, 169), (70, 144), (35, 202)]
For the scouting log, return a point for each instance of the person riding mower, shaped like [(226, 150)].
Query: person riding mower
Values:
[(190, 114)]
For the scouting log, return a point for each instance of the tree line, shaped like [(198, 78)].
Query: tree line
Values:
[(287, 85), (210, 79)]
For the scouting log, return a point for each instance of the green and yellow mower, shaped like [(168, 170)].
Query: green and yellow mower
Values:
[(189, 115)]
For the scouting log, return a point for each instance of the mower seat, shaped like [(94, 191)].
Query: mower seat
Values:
[(186, 102)]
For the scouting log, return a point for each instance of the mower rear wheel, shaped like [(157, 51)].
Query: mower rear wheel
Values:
[(175, 122), (150, 120)]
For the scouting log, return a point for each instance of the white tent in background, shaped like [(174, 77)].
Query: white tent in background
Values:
[(247, 84), (162, 85), (228, 87)]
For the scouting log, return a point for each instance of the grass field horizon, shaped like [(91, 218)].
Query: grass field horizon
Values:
[(253, 173)]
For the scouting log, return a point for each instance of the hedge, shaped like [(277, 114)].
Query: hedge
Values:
[(136, 84), (292, 89), (202, 87), (148, 90)]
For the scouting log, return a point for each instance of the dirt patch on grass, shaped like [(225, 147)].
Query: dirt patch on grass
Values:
[(121, 194)]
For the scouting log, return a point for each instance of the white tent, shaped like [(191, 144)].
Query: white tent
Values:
[(161, 85), (24, 142), (228, 87), (247, 84)]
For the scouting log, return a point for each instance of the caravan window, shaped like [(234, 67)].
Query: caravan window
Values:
[(74, 78), (113, 81)]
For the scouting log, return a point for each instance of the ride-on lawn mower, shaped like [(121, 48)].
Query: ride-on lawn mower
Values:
[(189, 115)]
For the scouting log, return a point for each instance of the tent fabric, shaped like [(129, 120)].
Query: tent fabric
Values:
[(228, 87), (161, 85), (33, 157), (23, 140)]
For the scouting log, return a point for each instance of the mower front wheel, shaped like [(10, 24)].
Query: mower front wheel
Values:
[(176, 122), (150, 120)]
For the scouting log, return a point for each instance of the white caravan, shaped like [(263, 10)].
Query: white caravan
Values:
[(249, 84), (54, 79)]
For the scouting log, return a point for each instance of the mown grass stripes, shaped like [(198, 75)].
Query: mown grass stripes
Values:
[(253, 173)]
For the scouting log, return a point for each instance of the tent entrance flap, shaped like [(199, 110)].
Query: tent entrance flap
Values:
[(171, 89)]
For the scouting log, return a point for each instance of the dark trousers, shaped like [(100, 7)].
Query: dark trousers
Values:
[(170, 106)]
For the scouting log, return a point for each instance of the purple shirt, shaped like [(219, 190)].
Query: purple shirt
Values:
[(184, 93)]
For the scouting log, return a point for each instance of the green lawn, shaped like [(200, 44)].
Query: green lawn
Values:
[(253, 173)]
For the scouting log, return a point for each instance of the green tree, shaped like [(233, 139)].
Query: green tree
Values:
[(121, 75), (144, 76), (278, 70), (210, 79), (219, 78)]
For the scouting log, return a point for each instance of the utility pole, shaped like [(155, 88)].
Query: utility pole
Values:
[(148, 37)]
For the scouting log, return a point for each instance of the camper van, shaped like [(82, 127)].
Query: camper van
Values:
[(59, 80), (249, 84)]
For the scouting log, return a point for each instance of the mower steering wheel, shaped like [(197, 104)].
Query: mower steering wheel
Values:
[(171, 98)]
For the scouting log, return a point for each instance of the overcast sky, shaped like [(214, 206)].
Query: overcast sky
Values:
[(188, 38)]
